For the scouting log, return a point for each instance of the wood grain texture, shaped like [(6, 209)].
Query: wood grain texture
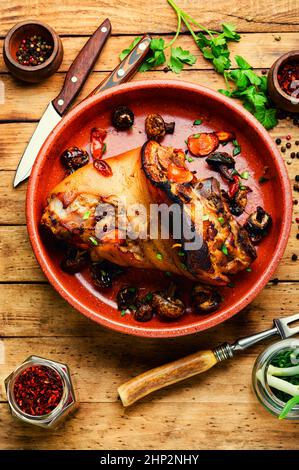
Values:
[(260, 50), (131, 17), (217, 410)]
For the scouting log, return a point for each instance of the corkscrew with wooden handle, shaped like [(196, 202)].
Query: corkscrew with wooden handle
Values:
[(199, 362)]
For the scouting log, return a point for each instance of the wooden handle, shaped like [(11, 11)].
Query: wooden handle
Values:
[(127, 68), (81, 67), (160, 377)]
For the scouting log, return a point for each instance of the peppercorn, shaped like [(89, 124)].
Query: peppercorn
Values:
[(297, 142), (283, 149), (288, 145), (297, 236), (278, 141), (293, 155), (297, 154), (294, 257), (297, 178), (295, 202), (288, 137), (295, 122), (264, 72), (296, 187), (33, 51)]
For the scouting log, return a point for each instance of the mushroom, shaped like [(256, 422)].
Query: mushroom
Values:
[(144, 312), (74, 260), (222, 162), (166, 305), (258, 224), (126, 298), (122, 118), (205, 299), (74, 158), (104, 272), (238, 203), (156, 127)]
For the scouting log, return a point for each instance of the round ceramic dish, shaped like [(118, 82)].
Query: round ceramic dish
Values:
[(183, 103)]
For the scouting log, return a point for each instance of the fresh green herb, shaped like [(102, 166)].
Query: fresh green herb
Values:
[(245, 175), (197, 122), (148, 297), (190, 159), (183, 266), (224, 249), (123, 313), (242, 187), (104, 147), (178, 58), (181, 253), (236, 151), (205, 217), (93, 241), (289, 406), (159, 256), (132, 307), (221, 220), (196, 136), (86, 215), (248, 270)]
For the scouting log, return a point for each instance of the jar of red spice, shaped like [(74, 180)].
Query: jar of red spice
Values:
[(40, 392)]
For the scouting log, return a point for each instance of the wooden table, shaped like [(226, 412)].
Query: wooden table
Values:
[(215, 411)]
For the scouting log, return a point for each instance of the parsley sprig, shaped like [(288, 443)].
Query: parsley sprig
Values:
[(248, 87)]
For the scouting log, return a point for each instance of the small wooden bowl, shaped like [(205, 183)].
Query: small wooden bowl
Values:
[(280, 97), (12, 41)]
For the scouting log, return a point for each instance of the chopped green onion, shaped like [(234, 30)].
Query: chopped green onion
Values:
[(184, 266), (236, 151), (123, 313), (221, 220), (242, 187), (181, 253), (231, 284), (168, 273), (289, 406), (248, 270), (224, 250), (235, 143), (104, 147), (148, 297), (86, 215), (196, 136), (93, 241), (190, 159), (245, 175), (197, 122), (159, 256)]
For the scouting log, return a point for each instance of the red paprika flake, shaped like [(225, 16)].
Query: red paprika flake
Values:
[(233, 186), (97, 146), (288, 77), (38, 390)]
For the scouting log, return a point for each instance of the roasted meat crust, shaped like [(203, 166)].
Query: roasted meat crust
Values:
[(141, 177)]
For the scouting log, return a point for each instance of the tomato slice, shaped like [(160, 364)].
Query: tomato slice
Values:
[(178, 174), (202, 144), (225, 136)]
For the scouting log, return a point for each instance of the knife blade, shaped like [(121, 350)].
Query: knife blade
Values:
[(74, 80), (123, 72)]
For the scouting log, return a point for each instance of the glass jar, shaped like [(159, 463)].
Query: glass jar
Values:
[(67, 401), (261, 387)]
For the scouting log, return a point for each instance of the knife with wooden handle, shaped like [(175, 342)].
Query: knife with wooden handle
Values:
[(201, 361), (74, 80)]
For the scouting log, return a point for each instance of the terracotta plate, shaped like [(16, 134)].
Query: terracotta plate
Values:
[(183, 103)]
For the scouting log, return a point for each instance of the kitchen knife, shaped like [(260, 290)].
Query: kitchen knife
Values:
[(122, 73), (74, 80)]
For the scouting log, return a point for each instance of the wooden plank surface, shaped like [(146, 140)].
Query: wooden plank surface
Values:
[(218, 410), (137, 16)]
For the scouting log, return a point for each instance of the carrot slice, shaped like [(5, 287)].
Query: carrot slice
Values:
[(203, 144), (177, 174), (225, 136)]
